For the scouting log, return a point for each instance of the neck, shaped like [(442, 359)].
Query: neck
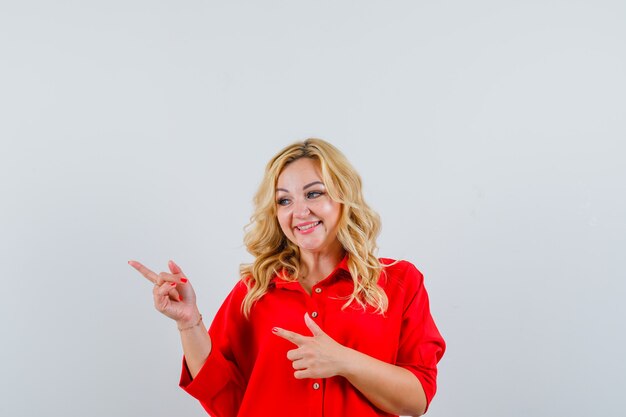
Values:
[(318, 265)]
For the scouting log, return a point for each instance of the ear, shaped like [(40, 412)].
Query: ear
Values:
[(313, 327)]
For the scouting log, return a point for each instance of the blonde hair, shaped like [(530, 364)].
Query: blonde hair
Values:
[(358, 228)]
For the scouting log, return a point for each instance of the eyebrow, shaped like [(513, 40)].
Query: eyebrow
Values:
[(309, 185)]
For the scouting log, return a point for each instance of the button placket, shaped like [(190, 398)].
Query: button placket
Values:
[(313, 305)]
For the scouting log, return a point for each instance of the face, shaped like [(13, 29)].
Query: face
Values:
[(306, 214)]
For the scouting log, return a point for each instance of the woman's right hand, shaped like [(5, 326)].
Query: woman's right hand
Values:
[(173, 294)]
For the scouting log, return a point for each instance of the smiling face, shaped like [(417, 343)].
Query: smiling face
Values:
[(306, 213)]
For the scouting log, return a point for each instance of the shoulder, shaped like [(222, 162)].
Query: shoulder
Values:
[(241, 288), (401, 268), (237, 293), (400, 273)]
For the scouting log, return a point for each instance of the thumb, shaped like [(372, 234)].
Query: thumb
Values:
[(313, 327), (174, 269), (186, 291)]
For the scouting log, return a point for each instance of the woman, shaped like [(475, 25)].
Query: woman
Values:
[(317, 325)]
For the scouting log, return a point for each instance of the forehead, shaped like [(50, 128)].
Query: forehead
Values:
[(298, 173)]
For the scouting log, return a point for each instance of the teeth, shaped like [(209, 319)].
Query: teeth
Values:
[(307, 227)]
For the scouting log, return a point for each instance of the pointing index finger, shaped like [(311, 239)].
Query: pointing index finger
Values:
[(295, 338), (148, 274)]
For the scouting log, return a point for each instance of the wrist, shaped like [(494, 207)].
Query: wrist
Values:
[(348, 362), (190, 322)]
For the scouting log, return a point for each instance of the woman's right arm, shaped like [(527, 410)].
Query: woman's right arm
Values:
[(174, 297), (196, 345)]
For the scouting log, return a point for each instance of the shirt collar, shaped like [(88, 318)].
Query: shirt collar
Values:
[(283, 279)]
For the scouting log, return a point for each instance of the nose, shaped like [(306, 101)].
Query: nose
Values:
[(301, 209)]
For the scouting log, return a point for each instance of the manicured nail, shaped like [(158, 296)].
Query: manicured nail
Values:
[(274, 329), (180, 298), (183, 280), (173, 284)]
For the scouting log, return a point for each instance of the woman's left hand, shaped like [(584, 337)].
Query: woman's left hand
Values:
[(389, 387), (317, 356)]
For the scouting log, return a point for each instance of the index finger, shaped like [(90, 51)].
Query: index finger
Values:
[(295, 338), (150, 276)]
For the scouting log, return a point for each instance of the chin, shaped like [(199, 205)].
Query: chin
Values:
[(311, 247)]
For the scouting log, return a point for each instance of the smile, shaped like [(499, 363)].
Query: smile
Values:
[(308, 226)]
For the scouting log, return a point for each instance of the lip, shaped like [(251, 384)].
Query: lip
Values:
[(310, 228)]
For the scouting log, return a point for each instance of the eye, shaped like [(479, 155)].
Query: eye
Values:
[(314, 194), (282, 201)]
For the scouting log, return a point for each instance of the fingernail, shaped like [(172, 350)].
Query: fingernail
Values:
[(274, 329), (180, 298), (183, 280), (173, 284)]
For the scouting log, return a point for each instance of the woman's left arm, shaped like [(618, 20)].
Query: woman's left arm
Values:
[(391, 388)]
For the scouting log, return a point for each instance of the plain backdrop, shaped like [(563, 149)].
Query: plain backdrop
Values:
[(489, 135)]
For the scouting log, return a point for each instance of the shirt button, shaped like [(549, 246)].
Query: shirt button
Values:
[(314, 314), (316, 386), (318, 290)]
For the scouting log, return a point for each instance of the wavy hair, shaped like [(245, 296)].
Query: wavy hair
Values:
[(358, 228)]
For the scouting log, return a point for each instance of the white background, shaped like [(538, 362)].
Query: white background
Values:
[(489, 134)]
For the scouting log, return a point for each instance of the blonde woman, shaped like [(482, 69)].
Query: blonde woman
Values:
[(317, 325)]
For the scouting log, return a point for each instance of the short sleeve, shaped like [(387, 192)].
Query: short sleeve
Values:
[(421, 345), (219, 386)]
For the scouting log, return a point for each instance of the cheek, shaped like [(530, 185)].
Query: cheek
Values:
[(284, 221), (332, 212)]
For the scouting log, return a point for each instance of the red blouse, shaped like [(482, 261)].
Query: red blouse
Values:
[(248, 374)]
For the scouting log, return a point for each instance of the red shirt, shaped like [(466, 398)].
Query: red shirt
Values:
[(248, 374)]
